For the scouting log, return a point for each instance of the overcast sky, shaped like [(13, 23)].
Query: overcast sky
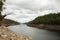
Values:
[(26, 10)]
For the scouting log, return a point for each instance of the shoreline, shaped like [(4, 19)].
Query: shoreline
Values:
[(46, 26), (7, 34)]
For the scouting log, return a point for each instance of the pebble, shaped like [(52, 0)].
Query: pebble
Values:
[(4, 36)]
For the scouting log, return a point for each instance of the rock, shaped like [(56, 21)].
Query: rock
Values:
[(6, 34)]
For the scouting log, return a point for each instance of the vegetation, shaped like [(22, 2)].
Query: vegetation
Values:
[(10, 22), (3, 21), (1, 16), (51, 18)]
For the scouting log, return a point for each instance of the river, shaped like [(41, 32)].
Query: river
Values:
[(35, 33)]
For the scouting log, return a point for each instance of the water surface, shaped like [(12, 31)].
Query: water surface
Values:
[(35, 33)]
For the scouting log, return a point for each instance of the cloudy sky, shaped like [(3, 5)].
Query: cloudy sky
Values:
[(26, 10)]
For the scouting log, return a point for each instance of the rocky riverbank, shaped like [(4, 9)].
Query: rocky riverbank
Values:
[(6, 34), (46, 26)]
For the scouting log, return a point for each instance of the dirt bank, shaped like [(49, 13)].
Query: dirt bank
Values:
[(46, 26)]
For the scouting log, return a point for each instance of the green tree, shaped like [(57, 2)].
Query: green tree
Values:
[(1, 8), (51, 18)]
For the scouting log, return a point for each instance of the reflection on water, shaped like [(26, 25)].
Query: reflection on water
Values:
[(36, 34)]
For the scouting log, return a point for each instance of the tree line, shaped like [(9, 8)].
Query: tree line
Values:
[(51, 18)]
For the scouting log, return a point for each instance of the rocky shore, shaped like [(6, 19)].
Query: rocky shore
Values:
[(6, 34), (46, 26)]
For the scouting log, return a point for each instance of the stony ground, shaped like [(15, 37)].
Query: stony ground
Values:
[(6, 34)]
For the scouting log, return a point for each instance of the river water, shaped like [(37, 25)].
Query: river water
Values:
[(35, 33)]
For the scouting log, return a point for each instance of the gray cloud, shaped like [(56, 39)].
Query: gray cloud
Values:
[(29, 9), (33, 5)]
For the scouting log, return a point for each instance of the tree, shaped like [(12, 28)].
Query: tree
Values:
[(51, 18), (1, 8)]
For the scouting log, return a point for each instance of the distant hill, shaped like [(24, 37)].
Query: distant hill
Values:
[(9, 22), (51, 18)]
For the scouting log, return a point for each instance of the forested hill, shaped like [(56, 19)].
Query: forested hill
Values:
[(51, 18), (9, 22)]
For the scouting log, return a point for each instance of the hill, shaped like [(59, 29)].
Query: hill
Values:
[(10, 22), (52, 18), (50, 22)]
